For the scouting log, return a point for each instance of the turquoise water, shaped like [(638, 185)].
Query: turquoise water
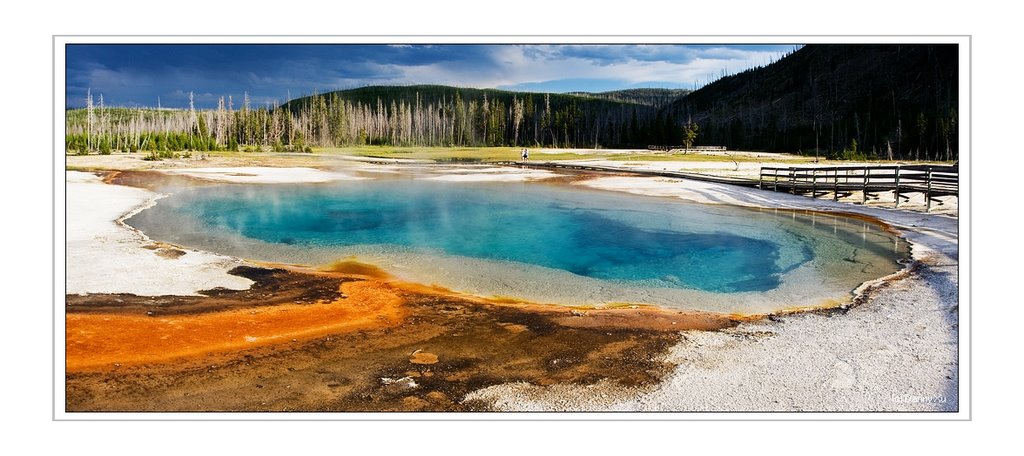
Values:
[(626, 240)]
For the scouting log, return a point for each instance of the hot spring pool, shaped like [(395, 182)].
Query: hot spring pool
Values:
[(540, 242)]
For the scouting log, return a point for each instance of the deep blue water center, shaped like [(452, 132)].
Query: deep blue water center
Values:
[(595, 234)]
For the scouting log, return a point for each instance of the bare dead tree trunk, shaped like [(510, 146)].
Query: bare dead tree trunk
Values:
[(88, 118)]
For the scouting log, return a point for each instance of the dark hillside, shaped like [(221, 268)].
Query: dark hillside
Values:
[(897, 101)]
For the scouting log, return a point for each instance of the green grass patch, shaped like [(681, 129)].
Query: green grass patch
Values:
[(449, 154), (652, 157)]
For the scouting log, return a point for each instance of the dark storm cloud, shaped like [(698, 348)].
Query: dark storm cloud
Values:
[(138, 74)]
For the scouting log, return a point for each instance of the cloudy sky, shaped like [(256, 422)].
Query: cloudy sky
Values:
[(140, 74)]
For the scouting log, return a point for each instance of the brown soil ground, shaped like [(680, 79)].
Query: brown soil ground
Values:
[(347, 339)]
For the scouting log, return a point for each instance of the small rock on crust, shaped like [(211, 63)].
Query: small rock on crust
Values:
[(422, 357)]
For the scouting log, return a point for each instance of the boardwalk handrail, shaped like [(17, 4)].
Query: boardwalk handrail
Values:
[(932, 180)]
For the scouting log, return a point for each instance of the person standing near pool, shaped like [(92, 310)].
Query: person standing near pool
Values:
[(526, 155)]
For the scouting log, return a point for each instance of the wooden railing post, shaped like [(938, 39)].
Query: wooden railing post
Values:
[(928, 190), (835, 185), (897, 205), (814, 183), (864, 186), (792, 181)]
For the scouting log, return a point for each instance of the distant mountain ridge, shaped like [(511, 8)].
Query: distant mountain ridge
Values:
[(654, 97), (646, 96)]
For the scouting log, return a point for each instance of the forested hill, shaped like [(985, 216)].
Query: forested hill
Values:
[(428, 93), (419, 115), (442, 115), (895, 101), (646, 96)]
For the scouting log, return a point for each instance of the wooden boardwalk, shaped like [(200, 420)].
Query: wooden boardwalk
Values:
[(932, 180)]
